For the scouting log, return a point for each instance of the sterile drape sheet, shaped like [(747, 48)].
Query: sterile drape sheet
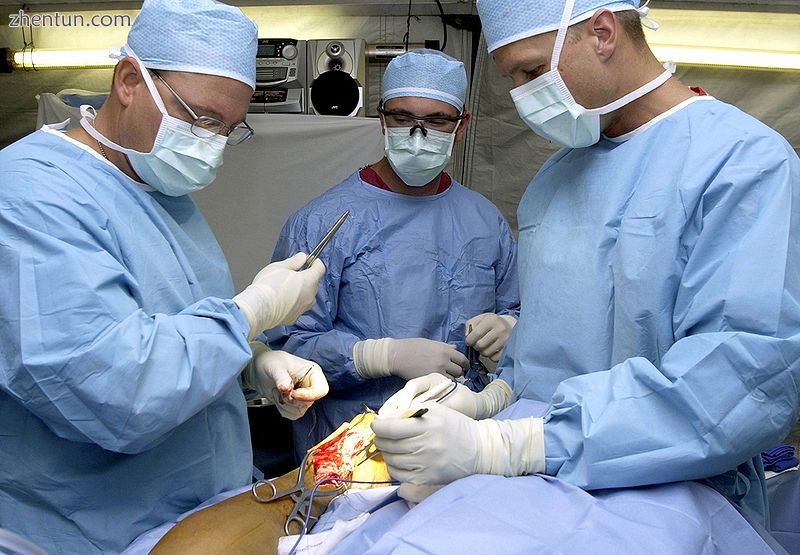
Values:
[(539, 514), (533, 514)]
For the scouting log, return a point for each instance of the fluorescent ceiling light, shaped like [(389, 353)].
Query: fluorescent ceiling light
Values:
[(53, 59), (726, 57), (726, 38)]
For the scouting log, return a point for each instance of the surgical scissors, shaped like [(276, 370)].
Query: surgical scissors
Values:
[(300, 494)]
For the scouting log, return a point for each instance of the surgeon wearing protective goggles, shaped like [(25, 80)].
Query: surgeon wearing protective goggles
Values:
[(421, 269), (122, 339), (659, 263)]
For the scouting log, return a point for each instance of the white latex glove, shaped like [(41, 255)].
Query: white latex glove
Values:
[(495, 397), (280, 293), (488, 333), (407, 358), (444, 445), (285, 380), (415, 494)]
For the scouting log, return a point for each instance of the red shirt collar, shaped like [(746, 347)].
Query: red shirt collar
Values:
[(371, 176)]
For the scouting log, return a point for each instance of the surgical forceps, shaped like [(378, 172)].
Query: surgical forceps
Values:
[(300, 494), (438, 393), (478, 374), (324, 241), (477, 370)]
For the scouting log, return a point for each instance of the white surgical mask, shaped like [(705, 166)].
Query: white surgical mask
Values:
[(546, 105), (417, 158), (180, 162)]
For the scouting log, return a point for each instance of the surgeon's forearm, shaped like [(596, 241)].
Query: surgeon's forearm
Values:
[(244, 302), (331, 349), (495, 397), (141, 378), (674, 428), (371, 358), (511, 447), (511, 311), (249, 371)]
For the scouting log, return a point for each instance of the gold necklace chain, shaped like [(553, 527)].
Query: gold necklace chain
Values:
[(102, 150)]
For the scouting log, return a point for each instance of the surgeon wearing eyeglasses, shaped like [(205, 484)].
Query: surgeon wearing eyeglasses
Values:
[(420, 261), (122, 339)]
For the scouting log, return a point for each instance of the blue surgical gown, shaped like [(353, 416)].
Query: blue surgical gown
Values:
[(660, 286), (119, 402), (400, 266)]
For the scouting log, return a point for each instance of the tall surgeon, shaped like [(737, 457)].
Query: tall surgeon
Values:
[(120, 406), (659, 262), (419, 258)]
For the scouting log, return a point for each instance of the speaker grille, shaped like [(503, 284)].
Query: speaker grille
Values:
[(334, 93)]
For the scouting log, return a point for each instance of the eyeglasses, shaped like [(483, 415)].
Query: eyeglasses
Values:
[(206, 126), (437, 123)]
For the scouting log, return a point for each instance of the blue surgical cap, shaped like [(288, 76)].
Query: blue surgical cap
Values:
[(507, 21), (198, 36), (428, 74)]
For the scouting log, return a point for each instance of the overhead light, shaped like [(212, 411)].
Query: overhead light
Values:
[(60, 59), (727, 57), (759, 40)]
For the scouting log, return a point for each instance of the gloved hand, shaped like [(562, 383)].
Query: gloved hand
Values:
[(280, 293), (285, 380), (407, 358), (444, 445), (488, 333), (495, 397), (415, 494)]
